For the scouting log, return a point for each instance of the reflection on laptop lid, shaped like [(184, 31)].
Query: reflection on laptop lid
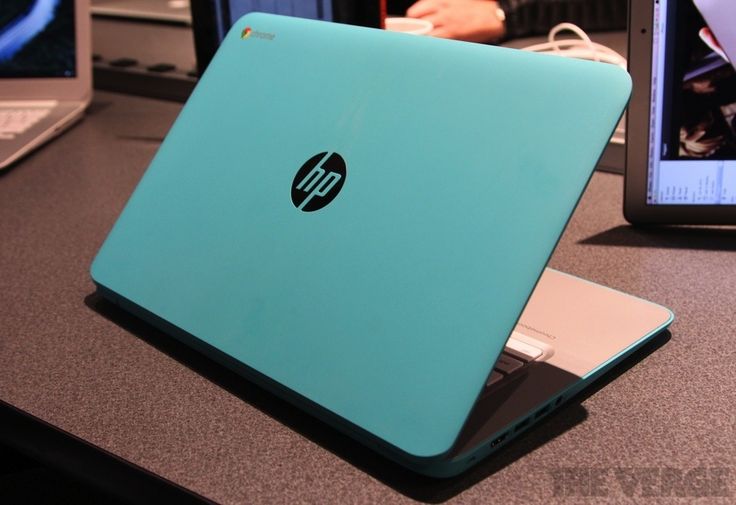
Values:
[(355, 219), (44, 71)]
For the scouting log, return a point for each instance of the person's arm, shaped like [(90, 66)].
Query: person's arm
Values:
[(469, 20), (492, 21), (536, 17)]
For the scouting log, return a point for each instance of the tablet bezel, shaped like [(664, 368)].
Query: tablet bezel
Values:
[(636, 209)]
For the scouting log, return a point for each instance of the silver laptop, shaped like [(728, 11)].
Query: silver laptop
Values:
[(45, 72)]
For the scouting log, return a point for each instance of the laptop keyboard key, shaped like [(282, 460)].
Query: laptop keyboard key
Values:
[(14, 121), (517, 355), (507, 364), (523, 348), (493, 378)]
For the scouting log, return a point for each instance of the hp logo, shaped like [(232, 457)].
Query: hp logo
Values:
[(318, 182)]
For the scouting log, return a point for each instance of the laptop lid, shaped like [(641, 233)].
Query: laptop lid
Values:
[(45, 50), (361, 216)]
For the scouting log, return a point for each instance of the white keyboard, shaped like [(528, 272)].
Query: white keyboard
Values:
[(515, 357), (514, 344), (16, 120)]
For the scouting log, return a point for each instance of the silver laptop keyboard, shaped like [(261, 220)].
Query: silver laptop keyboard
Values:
[(515, 356), (17, 120)]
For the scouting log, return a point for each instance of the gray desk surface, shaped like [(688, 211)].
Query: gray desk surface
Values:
[(95, 372)]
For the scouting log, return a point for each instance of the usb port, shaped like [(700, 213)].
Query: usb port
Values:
[(522, 424), (498, 440), (542, 411)]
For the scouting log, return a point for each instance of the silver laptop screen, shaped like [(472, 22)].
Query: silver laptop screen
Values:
[(692, 144), (37, 38)]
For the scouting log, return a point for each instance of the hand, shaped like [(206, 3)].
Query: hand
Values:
[(469, 20), (697, 144)]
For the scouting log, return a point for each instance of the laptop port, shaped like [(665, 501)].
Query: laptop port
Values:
[(542, 411), (498, 440), (558, 400), (523, 424)]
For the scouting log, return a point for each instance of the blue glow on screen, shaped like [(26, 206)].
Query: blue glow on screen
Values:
[(37, 39), (21, 30)]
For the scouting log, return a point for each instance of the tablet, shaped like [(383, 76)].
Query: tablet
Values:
[(211, 19), (681, 124)]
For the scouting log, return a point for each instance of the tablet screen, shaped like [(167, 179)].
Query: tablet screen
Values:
[(692, 144)]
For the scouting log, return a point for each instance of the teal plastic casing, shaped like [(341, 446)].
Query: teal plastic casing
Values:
[(385, 310)]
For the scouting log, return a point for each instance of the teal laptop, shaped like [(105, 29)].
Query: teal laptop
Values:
[(356, 219)]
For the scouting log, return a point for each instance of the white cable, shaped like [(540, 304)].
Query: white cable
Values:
[(582, 47)]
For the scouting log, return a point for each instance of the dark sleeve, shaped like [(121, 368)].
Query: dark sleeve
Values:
[(536, 17), (398, 7)]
